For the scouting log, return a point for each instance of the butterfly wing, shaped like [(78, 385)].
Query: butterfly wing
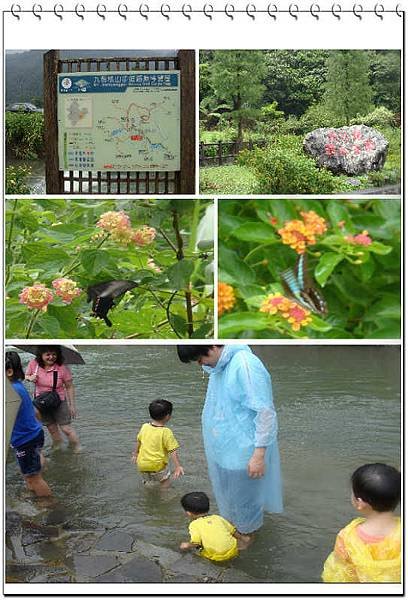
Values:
[(103, 294), (298, 284)]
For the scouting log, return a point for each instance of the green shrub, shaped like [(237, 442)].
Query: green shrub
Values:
[(16, 180), (379, 117), (25, 134), (282, 168), (231, 179)]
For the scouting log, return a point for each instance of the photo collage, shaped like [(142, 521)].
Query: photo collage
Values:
[(202, 277)]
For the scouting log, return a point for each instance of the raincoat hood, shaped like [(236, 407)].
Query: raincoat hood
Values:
[(226, 355)]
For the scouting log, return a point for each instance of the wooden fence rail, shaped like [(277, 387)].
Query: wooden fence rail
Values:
[(225, 153)]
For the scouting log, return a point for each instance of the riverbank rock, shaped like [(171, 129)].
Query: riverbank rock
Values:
[(347, 150)]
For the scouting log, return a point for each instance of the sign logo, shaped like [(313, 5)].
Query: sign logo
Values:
[(66, 83)]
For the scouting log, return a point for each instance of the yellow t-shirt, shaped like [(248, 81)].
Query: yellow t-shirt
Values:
[(359, 559), (214, 534), (155, 445)]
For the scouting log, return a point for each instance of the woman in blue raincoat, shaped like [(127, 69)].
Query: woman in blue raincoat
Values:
[(240, 433)]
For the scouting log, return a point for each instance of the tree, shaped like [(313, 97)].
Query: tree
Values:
[(348, 90), (295, 79), (385, 79), (236, 77)]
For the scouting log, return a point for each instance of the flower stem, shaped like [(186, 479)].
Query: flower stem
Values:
[(31, 323)]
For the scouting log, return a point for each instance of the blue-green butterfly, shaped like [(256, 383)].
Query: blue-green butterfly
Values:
[(298, 285)]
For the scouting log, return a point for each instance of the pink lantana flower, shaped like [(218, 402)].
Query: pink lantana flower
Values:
[(36, 296), (66, 289), (143, 236)]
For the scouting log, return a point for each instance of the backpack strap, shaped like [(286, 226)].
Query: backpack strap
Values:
[(55, 379)]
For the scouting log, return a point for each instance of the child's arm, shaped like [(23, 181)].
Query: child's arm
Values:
[(178, 469), (188, 546), (135, 452)]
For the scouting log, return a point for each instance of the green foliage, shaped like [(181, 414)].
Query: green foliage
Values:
[(235, 77), (348, 90), (295, 79), (228, 179), (282, 167), (391, 172), (379, 117), (50, 239), (385, 79), (16, 180), (317, 115), (361, 283), (25, 134)]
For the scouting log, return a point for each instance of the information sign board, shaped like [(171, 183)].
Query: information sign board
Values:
[(119, 121)]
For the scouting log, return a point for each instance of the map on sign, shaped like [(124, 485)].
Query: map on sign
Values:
[(119, 121)]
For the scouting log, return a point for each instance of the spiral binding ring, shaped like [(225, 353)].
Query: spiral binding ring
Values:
[(379, 10), (122, 7), (314, 11), (100, 10), (186, 10), (229, 11), (334, 13), (293, 10), (272, 13), (37, 7), (251, 11), (60, 8), (208, 9), (79, 10), (357, 10)]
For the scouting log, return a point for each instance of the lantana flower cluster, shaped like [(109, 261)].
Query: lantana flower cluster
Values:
[(298, 234), (38, 296), (361, 239), (118, 225), (226, 298), (292, 312)]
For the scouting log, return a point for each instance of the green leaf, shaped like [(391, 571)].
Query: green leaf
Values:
[(378, 248), (318, 324), (96, 260), (179, 274), (337, 212), (67, 319), (391, 330), (50, 257), (260, 233), (326, 266), (231, 263), (238, 322)]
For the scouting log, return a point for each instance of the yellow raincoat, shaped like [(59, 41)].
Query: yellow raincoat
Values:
[(357, 561)]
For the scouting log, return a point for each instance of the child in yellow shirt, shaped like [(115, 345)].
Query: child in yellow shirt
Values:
[(155, 443), (368, 550), (214, 537)]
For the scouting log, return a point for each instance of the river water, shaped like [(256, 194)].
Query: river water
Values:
[(338, 408)]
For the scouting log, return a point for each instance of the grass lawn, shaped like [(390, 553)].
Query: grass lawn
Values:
[(228, 179)]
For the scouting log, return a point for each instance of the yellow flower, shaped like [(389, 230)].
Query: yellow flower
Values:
[(226, 298), (299, 234), (296, 315)]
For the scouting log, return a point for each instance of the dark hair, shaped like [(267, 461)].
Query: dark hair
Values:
[(196, 503), (158, 409), (13, 361), (377, 484), (40, 351), (188, 353)]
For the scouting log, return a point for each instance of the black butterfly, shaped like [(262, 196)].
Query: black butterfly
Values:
[(103, 294), (298, 284)]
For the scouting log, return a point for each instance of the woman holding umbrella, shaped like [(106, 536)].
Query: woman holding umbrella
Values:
[(40, 370)]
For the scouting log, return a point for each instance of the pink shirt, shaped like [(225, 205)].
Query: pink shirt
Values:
[(45, 377)]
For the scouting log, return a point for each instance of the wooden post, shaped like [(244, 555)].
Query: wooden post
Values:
[(187, 118), (219, 152), (54, 180)]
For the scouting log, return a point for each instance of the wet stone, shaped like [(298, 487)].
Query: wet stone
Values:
[(163, 556), (81, 542), (13, 523), (79, 524), (196, 567), (137, 570), (20, 572), (115, 540), (34, 533), (92, 566)]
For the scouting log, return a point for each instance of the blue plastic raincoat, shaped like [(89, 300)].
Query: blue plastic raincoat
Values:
[(239, 416)]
